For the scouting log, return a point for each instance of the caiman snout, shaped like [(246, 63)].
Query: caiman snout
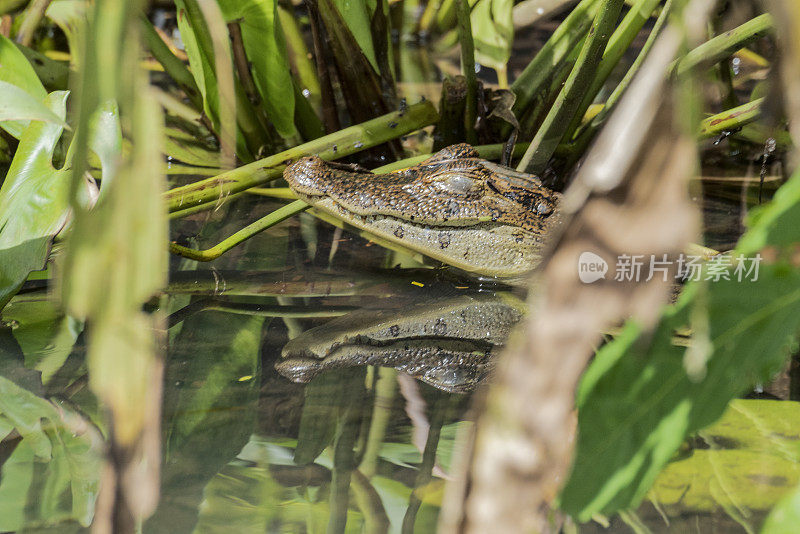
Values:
[(308, 175)]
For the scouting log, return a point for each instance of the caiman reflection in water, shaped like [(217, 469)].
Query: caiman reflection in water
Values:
[(453, 207), (447, 343)]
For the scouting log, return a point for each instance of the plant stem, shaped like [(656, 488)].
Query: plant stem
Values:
[(299, 57), (330, 115), (540, 70), (619, 42), (731, 119), (555, 124), (172, 65), (245, 233), (273, 192), (426, 21), (33, 15), (587, 133), (484, 151), (468, 68), (336, 145), (724, 46)]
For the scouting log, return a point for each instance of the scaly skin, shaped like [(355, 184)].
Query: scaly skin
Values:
[(453, 207), (447, 343)]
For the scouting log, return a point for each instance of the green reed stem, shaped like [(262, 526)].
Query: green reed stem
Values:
[(247, 232), (299, 56), (731, 119), (566, 105), (536, 76), (723, 46), (484, 151), (336, 145), (619, 42), (172, 65), (587, 134), (468, 68)]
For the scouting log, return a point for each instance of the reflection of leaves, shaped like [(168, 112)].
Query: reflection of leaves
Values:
[(33, 202), (328, 398), (626, 439), (209, 409), (240, 498), (52, 474), (44, 333)]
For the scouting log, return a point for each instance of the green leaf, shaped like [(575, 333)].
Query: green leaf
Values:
[(638, 402), (19, 106), (493, 32), (16, 70), (194, 34), (34, 204), (356, 15), (182, 145), (747, 461), (266, 51), (70, 16), (784, 518)]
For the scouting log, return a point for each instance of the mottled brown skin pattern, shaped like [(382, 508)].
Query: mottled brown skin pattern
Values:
[(447, 343), (454, 207), (452, 188)]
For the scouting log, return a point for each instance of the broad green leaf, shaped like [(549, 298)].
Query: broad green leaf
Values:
[(197, 43), (34, 202), (493, 32), (749, 459), (356, 13), (16, 70), (266, 52), (70, 16), (185, 146), (20, 107), (638, 402)]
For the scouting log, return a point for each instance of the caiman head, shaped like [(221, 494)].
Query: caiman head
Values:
[(454, 206)]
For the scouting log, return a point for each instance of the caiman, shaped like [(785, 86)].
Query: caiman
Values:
[(447, 343), (453, 207)]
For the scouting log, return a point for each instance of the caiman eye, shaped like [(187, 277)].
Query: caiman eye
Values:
[(544, 209), (459, 184)]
